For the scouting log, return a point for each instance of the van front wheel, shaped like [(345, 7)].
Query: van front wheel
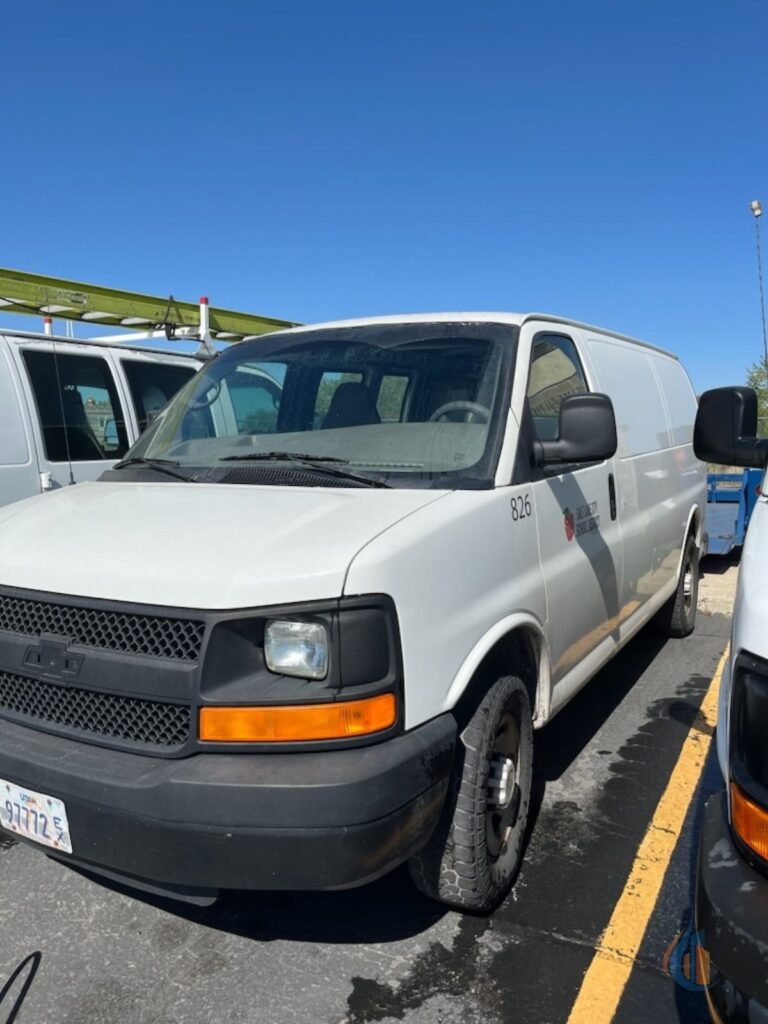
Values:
[(474, 854)]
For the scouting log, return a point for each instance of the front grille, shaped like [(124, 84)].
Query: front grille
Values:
[(150, 722), (155, 635)]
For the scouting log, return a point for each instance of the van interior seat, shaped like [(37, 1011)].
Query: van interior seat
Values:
[(352, 405), (153, 399)]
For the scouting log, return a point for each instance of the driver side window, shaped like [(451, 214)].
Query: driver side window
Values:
[(555, 373)]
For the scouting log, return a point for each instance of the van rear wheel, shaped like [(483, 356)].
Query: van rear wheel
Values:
[(677, 617), (473, 856)]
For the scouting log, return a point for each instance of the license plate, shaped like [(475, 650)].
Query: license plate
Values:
[(34, 816)]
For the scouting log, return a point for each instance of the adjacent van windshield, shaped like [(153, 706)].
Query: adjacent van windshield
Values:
[(412, 405)]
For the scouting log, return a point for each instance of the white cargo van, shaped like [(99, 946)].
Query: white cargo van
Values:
[(69, 409), (732, 885), (306, 630)]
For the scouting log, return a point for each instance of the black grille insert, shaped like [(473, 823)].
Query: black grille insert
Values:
[(150, 722), (160, 637)]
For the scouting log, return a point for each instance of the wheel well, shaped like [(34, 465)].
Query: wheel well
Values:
[(518, 652), (693, 528)]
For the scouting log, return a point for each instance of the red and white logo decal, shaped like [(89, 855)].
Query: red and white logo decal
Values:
[(569, 523)]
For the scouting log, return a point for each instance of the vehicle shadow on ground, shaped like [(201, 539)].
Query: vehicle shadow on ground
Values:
[(564, 738), (388, 910), (718, 565)]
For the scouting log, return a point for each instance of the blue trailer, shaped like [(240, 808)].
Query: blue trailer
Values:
[(730, 500)]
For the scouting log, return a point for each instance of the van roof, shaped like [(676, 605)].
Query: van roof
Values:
[(121, 346), (517, 319)]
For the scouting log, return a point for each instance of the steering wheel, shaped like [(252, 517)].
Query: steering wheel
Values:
[(473, 409)]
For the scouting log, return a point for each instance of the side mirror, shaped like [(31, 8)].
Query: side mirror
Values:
[(726, 428), (587, 431)]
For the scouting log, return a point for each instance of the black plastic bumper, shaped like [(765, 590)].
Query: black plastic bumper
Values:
[(732, 918), (319, 820)]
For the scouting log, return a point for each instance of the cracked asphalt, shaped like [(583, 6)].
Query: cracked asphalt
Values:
[(384, 953)]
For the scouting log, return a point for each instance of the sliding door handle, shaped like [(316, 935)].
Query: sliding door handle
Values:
[(612, 494)]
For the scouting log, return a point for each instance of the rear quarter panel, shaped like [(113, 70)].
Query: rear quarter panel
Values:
[(659, 481)]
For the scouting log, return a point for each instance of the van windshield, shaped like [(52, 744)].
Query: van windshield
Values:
[(415, 405)]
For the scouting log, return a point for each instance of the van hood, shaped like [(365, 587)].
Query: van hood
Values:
[(195, 545)]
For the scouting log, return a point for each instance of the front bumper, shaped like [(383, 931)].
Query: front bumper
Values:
[(312, 820), (732, 920)]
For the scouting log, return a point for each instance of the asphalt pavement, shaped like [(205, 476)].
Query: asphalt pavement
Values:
[(94, 954)]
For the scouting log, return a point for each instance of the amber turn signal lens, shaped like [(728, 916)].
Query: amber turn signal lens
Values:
[(750, 821), (293, 723)]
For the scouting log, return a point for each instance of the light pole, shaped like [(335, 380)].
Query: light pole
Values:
[(757, 211)]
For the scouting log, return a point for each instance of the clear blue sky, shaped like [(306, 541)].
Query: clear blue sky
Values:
[(312, 159)]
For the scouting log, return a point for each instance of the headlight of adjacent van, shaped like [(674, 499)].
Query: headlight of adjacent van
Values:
[(293, 648), (748, 754)]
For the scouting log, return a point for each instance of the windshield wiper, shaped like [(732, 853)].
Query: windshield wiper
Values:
[(274, 456), (160, 465), (316, 462)]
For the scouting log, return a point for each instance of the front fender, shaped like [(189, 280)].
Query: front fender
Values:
[(509, 624)]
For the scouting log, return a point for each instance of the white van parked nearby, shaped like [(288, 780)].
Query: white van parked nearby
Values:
[(306, 630), (69, 409), (732, 884)]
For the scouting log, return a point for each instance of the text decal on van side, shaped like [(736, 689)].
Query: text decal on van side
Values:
[(521, 507), (584, 520)]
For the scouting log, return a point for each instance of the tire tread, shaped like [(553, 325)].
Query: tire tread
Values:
[(453, 867)]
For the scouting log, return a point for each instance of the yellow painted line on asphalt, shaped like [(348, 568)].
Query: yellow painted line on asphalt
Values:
[(614, 957)]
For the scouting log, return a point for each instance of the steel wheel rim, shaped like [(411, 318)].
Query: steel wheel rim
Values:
[(503, 790), (688, 585)]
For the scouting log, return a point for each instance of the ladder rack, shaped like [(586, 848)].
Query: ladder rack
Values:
[(33, 294)]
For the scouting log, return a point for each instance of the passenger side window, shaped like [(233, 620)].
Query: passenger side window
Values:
[(153, 385), (555, 373), (77, 403), (389, 403), (255, 397), (245, 401)]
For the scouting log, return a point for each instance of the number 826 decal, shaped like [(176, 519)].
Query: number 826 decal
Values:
[(520, 506)]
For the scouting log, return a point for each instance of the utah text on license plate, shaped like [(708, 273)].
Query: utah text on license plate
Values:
[(34, 816)]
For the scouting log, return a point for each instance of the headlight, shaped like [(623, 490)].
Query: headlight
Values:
[(296, 648)]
